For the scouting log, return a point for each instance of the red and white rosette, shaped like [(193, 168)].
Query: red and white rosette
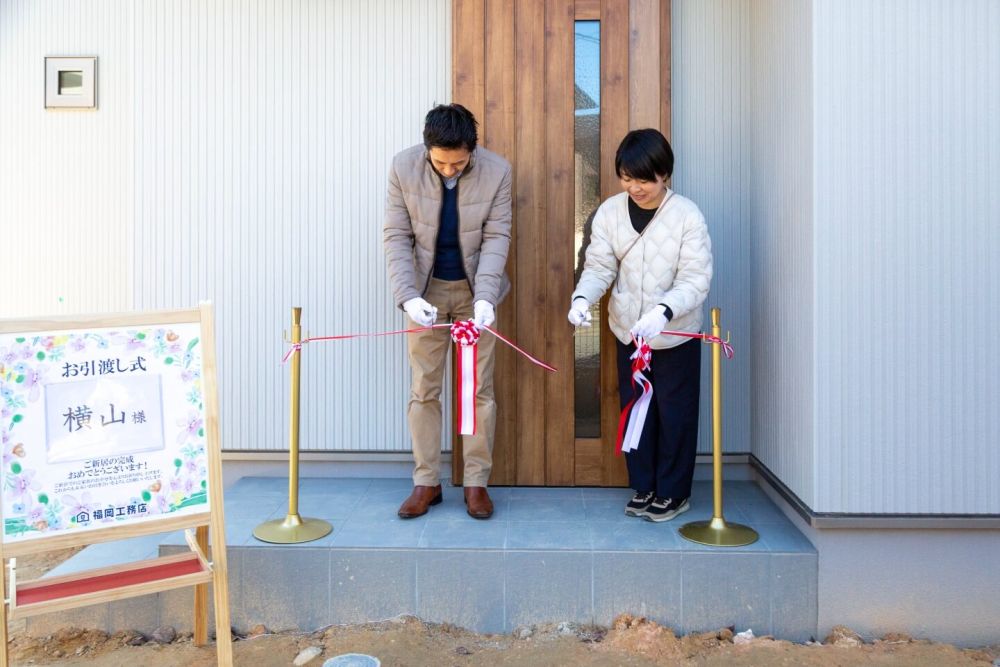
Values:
[(633, 416), (466, 337)]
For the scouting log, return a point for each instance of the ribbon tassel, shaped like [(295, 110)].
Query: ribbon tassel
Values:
[(466, 337), (633, 416)]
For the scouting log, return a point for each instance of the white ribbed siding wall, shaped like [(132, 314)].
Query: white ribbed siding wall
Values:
[(742, 133), (707, 98), (848, 149), (907, 242), (778, 190), (65, 176), (239, 154)]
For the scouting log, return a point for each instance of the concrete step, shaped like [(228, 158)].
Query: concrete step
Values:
[(547, 555)]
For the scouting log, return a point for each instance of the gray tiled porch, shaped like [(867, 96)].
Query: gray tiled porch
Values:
[(548, 554)]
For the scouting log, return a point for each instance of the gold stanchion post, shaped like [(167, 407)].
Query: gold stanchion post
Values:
[(293, 529), (717, 532)]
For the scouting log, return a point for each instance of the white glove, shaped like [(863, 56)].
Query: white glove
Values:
[(483, 313), (650, 324), (421, 312), (579, 313)]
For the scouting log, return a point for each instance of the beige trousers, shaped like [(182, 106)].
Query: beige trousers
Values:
[(428, 352)]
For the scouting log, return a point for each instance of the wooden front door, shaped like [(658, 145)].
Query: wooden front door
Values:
[(513, 66)]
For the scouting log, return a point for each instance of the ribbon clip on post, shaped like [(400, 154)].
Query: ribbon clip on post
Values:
[(727, 348)]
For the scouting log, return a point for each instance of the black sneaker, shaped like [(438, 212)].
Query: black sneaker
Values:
[(665, 509), (639, 503)]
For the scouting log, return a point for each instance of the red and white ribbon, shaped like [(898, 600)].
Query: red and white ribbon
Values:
[(466, 337), (534, 360), (727, 349), (633, 416), (297, 347)]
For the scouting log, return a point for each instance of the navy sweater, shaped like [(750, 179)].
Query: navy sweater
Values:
[(448, 258)]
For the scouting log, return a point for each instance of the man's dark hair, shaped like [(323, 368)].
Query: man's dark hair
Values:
[(644, 155), (450, 126)]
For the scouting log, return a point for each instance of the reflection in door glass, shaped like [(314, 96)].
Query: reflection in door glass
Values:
[(587, 141)]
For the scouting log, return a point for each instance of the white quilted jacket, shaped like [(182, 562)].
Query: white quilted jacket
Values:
[(669, 263)]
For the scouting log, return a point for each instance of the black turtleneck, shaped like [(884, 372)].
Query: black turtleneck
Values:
[(639, 216)]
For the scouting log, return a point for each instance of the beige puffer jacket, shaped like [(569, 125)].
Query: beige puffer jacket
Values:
[(413, 216), (669, 263)]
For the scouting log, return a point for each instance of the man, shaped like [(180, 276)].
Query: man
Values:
[(446, 236)]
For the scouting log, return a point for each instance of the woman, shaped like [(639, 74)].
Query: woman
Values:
[(654, 245)]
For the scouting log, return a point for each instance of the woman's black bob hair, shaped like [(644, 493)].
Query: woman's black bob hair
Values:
[(644, 155)]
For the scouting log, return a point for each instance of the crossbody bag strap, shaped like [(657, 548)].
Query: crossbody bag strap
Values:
[(639, 238)]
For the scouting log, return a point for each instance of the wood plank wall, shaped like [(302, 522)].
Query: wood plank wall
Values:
[(559, 255), (498, 133), (615, 49), (513, 67), (529, 221)]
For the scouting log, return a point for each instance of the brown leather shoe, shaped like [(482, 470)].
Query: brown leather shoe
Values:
[(478, 500), (418, 502)]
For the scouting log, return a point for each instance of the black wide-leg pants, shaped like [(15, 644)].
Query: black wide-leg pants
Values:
[(664, 461)]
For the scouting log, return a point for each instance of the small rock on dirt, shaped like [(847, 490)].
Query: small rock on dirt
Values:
[(164, 635), (841, 635), (897, 638), (744, 637), (258, 630), (566, 628), (135, 639), (461, 650), (626, 621), (592, 634), (64, 635), (524, 632), (307, 655)]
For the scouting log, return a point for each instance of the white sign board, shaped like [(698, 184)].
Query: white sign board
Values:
[(113, 416), (100, 428)]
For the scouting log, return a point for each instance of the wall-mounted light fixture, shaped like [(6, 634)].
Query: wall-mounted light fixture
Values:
[(70, 83)]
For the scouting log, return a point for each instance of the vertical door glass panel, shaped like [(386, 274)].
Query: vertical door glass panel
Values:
[(587, 169)]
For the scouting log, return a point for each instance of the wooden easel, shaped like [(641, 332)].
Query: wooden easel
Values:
[(193, 568)]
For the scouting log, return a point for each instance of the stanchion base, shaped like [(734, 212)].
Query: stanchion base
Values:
[(718, 533), (293, 529)]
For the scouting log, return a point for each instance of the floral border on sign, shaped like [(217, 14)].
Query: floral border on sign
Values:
[(29, 362)]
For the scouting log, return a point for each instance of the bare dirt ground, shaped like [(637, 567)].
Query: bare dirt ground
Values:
[(408, 641)]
